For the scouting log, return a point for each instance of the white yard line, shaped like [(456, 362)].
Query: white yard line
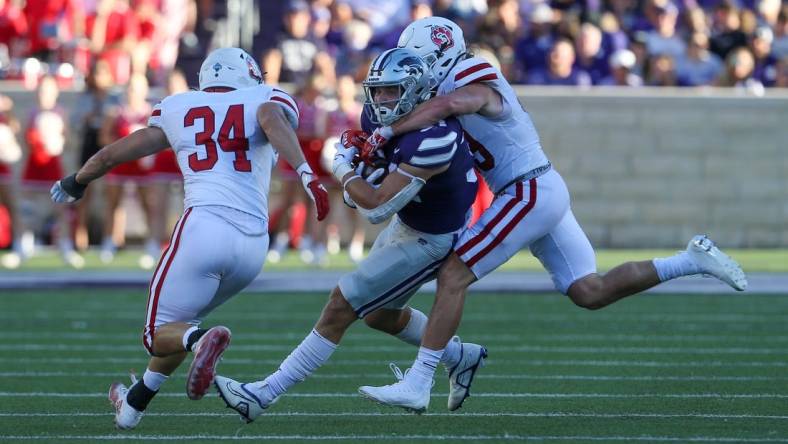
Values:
[(387, 375), (504, 437), (393, 413), (14, 336), (403, 348), (382, 362), (476, 395), (312, 315)]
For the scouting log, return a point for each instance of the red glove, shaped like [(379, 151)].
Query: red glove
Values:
[(377, 139), (355, 138), (314, 189)]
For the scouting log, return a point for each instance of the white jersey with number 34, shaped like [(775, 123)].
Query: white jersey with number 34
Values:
[(223, 153), (505, 146)]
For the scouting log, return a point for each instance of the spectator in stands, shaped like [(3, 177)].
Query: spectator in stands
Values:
[(739, 67), (297, 53), (10, 153), (661, 71), (13, 28), (780, 44), (165, 176), (765, 62), (697, 21), (346, 114), (52, 23), (621, 64), (782, 73), (45, 135), (726, 32), (382, 16), (591, 57), (94, 104), (114, 30), (625, 12), (664, 39), (499, 30), (532, 50), (699, 66), (311, 134), (560, 68), (130, 116)]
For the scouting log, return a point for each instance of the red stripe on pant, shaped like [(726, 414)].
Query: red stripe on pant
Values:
[(509, 227), (153, 296), (464, 248)]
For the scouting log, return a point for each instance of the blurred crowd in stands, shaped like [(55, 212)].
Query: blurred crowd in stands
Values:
[(741, 43), (109, 51)]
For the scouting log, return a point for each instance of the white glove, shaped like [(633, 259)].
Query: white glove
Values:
[(342, 159)]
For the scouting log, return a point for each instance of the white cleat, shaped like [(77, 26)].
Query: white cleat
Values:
[(400, 394), (714, 262), (241, 398), (472, 358), (207, 353), (126, 416)]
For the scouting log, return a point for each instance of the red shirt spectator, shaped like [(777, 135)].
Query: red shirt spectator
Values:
[(113, 29), (13, 24), (51, 22)]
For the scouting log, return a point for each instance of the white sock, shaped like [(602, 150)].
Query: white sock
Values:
[(413, 332), (185, 338), (310, 354), (153, 380), (680, 264), (423, 369)]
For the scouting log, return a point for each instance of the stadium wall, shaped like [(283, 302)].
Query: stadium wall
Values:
[(647, 167), (651, 168)]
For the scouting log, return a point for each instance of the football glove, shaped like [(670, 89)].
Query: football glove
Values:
[(314, 189), (377, 139), (347, 148), (67, 190)]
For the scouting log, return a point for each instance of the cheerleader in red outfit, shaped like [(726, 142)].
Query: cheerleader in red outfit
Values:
[(124, 120), (165, 176), (45, 135), (311, 136), (10, 153), (346, 115)]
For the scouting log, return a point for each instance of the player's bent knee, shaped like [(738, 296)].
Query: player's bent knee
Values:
[(588, 292), (385, 320), (454, 275), (338, 310)]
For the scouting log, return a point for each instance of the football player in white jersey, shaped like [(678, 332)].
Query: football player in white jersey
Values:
[(531, 209), (226, 137)]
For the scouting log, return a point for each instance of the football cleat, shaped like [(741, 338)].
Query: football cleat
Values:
[(712, 261), (207, 353), (472, 358), (241, 398), (126, 416), (400, 394)]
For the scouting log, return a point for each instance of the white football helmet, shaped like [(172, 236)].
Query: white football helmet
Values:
[(438, 41), (229, 67)]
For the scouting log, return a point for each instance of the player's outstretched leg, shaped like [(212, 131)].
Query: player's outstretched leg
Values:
[(207, 353), (251, 400)]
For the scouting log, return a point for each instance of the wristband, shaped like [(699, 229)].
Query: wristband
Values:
[(304, 168), (340, 169)]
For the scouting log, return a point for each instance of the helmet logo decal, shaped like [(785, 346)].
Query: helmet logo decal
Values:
[(441, 36), (253, 71), (216, 68)]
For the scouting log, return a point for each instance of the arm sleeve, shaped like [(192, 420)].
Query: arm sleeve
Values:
[(288, 104)]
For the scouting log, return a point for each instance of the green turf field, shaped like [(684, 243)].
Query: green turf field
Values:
[(653, 368), (752, 260)]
